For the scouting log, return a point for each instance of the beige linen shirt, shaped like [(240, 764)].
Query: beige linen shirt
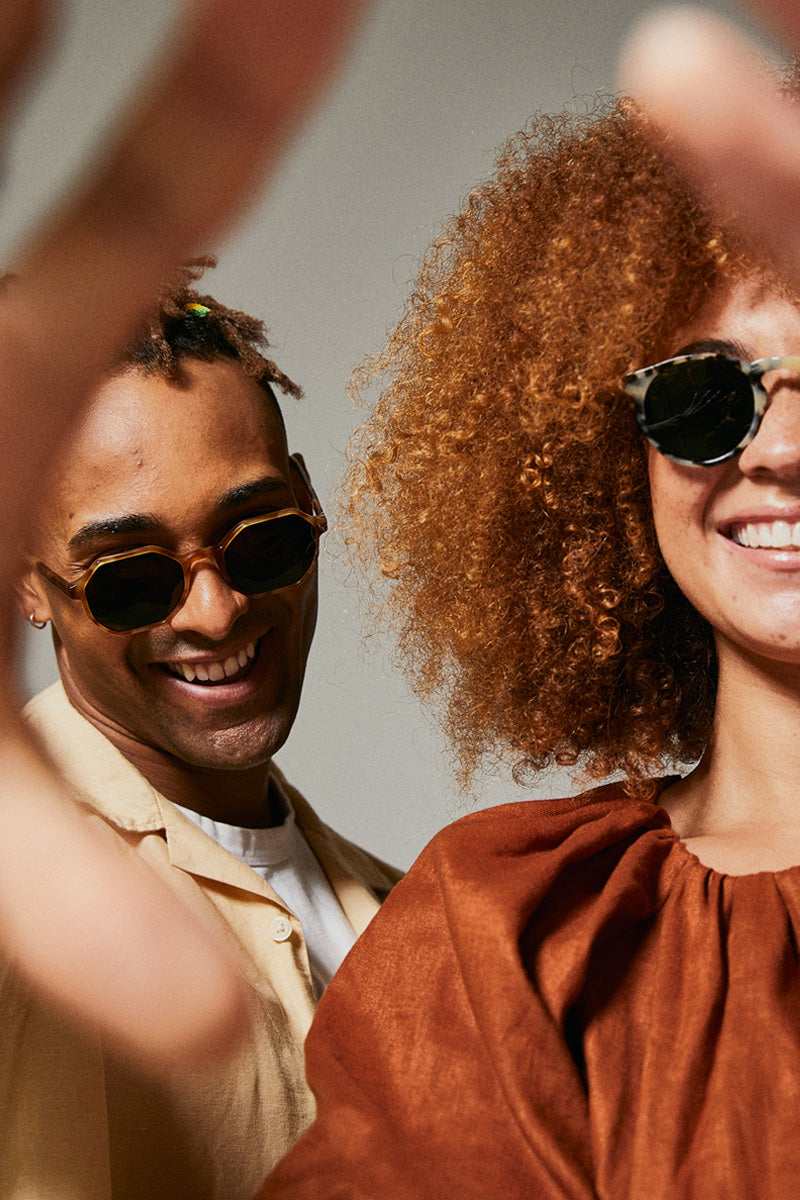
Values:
[(75, 1124)]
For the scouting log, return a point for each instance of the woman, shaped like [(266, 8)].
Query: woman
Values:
[(596, 996)]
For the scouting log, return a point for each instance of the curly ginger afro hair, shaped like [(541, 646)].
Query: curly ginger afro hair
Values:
[(500, 484)]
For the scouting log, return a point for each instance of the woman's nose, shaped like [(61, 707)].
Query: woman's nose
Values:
[(775, 450), (212, 607)]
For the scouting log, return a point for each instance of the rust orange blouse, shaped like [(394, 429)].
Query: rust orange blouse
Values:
[(560, 1001)]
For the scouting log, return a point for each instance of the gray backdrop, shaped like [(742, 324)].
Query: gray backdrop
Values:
[(435, 86)]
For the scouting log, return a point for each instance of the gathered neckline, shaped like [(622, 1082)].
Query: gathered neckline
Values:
[(693, 860)]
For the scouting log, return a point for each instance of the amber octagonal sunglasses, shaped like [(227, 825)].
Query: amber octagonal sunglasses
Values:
[(136, 589)]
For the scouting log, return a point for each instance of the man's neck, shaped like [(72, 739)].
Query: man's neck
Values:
[(232, 796), (242, 797)]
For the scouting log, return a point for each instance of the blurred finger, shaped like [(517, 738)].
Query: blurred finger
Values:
[(728, 126), (25, 25)]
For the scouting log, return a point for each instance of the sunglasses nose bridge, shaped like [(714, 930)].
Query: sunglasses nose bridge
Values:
[(770, 376), (210, 556), (774, 444), (771, 372), (210, 605)]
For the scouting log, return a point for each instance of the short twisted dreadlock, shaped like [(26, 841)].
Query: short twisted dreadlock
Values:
[(188, 324)]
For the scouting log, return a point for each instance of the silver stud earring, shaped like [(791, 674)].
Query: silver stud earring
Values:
[(36, 624)]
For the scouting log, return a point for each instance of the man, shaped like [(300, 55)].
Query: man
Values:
[(175, 557), (224, 99)]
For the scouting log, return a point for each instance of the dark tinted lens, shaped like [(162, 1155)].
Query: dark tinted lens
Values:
[(136, 591), (699, 410), (270, 554)]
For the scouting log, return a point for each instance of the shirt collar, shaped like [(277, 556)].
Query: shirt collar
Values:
[(95, 769), (102, 777)]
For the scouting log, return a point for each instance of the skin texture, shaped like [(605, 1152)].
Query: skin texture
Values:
[(139, 971), (174, 452)]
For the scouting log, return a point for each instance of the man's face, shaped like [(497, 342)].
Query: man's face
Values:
[(177, 466)]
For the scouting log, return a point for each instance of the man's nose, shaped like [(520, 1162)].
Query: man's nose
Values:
[(212, 607), (775, 450)]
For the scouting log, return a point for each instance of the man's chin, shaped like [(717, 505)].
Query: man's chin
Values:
[(230, 749)]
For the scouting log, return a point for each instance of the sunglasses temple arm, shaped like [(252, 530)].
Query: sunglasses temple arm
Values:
[(51, 577), (788, 362), (316, 507), (635, 387)]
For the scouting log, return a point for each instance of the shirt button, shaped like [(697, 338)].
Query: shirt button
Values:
[(280, 929)]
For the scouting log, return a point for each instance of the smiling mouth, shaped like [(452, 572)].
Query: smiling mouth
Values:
[(213, 672), (770, 535)]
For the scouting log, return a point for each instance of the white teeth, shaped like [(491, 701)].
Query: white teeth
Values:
[(781, 534), (215, 671), (772, 535)]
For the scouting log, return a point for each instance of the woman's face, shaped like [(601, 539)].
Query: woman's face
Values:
[(750, 593)]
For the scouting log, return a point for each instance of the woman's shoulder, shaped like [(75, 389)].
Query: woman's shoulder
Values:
[(493, 869), (569, 828)]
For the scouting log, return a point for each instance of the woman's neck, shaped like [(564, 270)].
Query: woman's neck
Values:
[(739, 811)]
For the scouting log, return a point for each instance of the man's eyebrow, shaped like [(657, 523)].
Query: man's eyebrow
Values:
[(733, 349), (108, 526), (252, 491), (145, 523)]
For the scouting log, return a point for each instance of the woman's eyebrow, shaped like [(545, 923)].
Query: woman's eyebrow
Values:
[(715, 346)]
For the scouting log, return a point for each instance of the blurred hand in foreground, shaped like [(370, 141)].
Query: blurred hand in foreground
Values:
[(112, 948)]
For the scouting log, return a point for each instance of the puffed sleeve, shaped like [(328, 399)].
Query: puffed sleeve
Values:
[(440, 1068)]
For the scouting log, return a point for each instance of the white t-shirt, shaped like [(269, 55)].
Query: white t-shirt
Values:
[(282, 856)]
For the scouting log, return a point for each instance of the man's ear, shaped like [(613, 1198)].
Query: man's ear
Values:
[(301, 483), (31, 597)]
